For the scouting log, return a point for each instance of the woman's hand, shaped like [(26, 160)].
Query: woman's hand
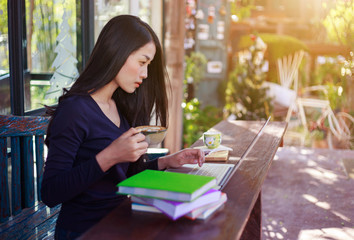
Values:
[(191, 156), (127, 148)]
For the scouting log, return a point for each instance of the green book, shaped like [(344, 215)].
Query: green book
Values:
[(166, 185)]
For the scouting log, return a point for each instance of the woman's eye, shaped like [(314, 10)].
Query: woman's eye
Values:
[(142, 63)]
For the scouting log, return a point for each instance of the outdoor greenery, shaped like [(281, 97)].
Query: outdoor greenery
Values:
[(197, 120), (43, 20), (38, 96), (246, 96), (3, 18), (329, 74), (339, 23), (339, 26), (4, 51), (194, 69), (277, 46), (242, 8)]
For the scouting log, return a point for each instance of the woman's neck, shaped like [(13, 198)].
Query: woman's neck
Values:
[(103, 98), (104, 94)]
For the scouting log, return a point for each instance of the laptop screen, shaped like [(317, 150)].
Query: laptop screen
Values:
[(244, 155), (221, 171)]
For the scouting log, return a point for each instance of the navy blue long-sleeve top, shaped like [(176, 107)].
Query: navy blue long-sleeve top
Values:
[(72, 176)]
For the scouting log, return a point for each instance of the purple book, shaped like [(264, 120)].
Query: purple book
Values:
[(174, 209)]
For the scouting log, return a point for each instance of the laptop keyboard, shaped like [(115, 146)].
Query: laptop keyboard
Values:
[(217, 170)]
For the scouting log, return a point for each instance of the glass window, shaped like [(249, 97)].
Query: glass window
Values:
[(144, 10), (149, 11), (4, 46), (5, 104), (51, 50), (105, 10)]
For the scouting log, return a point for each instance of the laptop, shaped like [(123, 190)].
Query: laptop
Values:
[(221, 171)]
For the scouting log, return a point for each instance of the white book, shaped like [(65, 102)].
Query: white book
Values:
[(144, 208)]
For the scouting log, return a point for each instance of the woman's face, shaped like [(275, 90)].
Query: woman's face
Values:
[(135, 69)]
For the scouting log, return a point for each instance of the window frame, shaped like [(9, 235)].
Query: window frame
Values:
[(18, 71), (16, 33)]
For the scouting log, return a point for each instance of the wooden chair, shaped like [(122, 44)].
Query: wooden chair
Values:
[(23, 215)]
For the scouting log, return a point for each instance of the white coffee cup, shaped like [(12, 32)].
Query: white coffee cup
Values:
[(212, 139)]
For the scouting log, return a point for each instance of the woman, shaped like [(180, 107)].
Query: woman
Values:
[(91, 139)]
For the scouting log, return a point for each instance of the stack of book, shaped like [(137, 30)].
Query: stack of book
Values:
[(174, 194)]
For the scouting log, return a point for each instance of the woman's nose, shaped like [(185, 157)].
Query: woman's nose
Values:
[(144, 73)]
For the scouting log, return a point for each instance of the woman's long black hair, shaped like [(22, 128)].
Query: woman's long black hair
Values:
[(119, 38)]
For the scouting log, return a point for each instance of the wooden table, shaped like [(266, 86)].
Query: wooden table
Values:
[(241, 216)]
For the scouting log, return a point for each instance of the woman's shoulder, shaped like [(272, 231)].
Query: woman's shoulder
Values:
[(74, 106), (71, 115), (76, 103)]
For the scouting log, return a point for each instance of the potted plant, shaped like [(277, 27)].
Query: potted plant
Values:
[(245, 95), (318, 135)]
